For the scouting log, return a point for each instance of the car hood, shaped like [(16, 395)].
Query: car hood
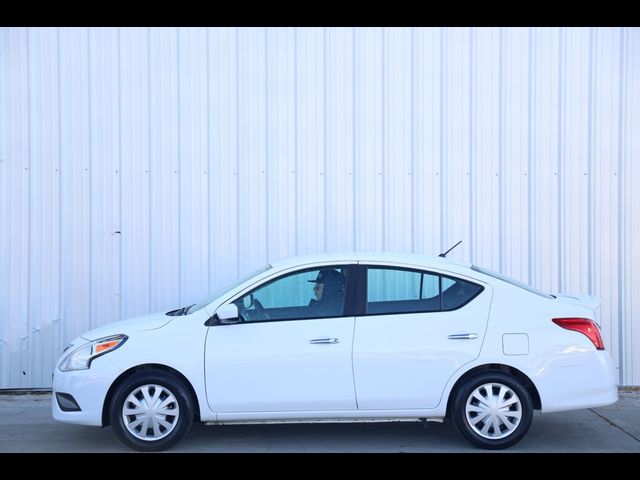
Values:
[(138, 324)]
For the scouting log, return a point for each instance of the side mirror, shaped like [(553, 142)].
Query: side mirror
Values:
[(226, 315)]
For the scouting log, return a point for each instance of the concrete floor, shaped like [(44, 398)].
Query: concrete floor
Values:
[(26, 425)]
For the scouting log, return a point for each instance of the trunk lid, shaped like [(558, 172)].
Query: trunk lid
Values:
[(589, 301)]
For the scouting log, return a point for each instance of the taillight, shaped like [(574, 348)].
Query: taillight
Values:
[(583, 325)]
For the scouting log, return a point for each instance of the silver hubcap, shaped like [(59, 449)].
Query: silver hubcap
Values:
[(493, 411), (150, 412)]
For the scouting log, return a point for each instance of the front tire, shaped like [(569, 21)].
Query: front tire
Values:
[(151, 411), (492, 410)]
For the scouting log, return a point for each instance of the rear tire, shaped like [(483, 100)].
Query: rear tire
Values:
[(492, 410), (151, 411)]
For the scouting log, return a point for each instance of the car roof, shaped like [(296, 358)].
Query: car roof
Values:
[(390, 257)]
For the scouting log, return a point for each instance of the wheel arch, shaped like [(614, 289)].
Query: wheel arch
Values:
[(147, 367), (497, 367)]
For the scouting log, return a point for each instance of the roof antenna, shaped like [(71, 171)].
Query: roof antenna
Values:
[(444, 255)]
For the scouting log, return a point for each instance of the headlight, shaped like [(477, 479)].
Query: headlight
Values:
[(81, 358)]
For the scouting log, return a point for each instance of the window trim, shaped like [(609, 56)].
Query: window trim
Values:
[(361, 310), (348, 307)]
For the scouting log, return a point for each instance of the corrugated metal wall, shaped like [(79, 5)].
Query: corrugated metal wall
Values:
[(141, 168)]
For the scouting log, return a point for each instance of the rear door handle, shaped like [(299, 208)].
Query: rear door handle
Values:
[(324, 340), (463, 336)]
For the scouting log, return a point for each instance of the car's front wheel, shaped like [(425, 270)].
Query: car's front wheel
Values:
[(492, 410), (151, 411)]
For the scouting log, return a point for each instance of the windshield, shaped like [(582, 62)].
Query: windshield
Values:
[(511, 281), (219, 291)]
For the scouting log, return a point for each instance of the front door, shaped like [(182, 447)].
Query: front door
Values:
[(291, 352)]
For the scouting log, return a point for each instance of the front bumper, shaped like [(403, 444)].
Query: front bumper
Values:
[(88, 388)]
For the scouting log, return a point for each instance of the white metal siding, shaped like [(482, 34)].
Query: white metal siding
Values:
[(140, 168)]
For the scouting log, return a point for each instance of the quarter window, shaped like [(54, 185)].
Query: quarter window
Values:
[(456, 292)]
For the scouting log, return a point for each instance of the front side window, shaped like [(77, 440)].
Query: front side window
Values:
[(317, 293)]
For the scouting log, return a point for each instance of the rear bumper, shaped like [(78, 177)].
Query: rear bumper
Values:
[(592, 383)]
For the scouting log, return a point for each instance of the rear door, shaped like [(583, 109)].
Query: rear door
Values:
[(414, 330)]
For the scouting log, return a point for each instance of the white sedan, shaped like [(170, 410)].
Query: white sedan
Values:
[(352, 337)]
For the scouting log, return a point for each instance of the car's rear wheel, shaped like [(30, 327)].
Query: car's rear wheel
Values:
[(492, 410), (151, 411)]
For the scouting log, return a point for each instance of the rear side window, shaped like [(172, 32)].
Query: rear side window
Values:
[(397, 290), (393, 290)]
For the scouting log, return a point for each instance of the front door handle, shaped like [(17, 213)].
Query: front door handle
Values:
[(323, 340), (463, 336)]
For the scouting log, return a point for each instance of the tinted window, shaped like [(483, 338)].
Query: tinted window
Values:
[(456, 292), (392, 285), (430, 285), (392, 290), (314, 293)]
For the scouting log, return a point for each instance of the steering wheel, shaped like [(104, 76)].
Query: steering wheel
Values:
[(260, 310)]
